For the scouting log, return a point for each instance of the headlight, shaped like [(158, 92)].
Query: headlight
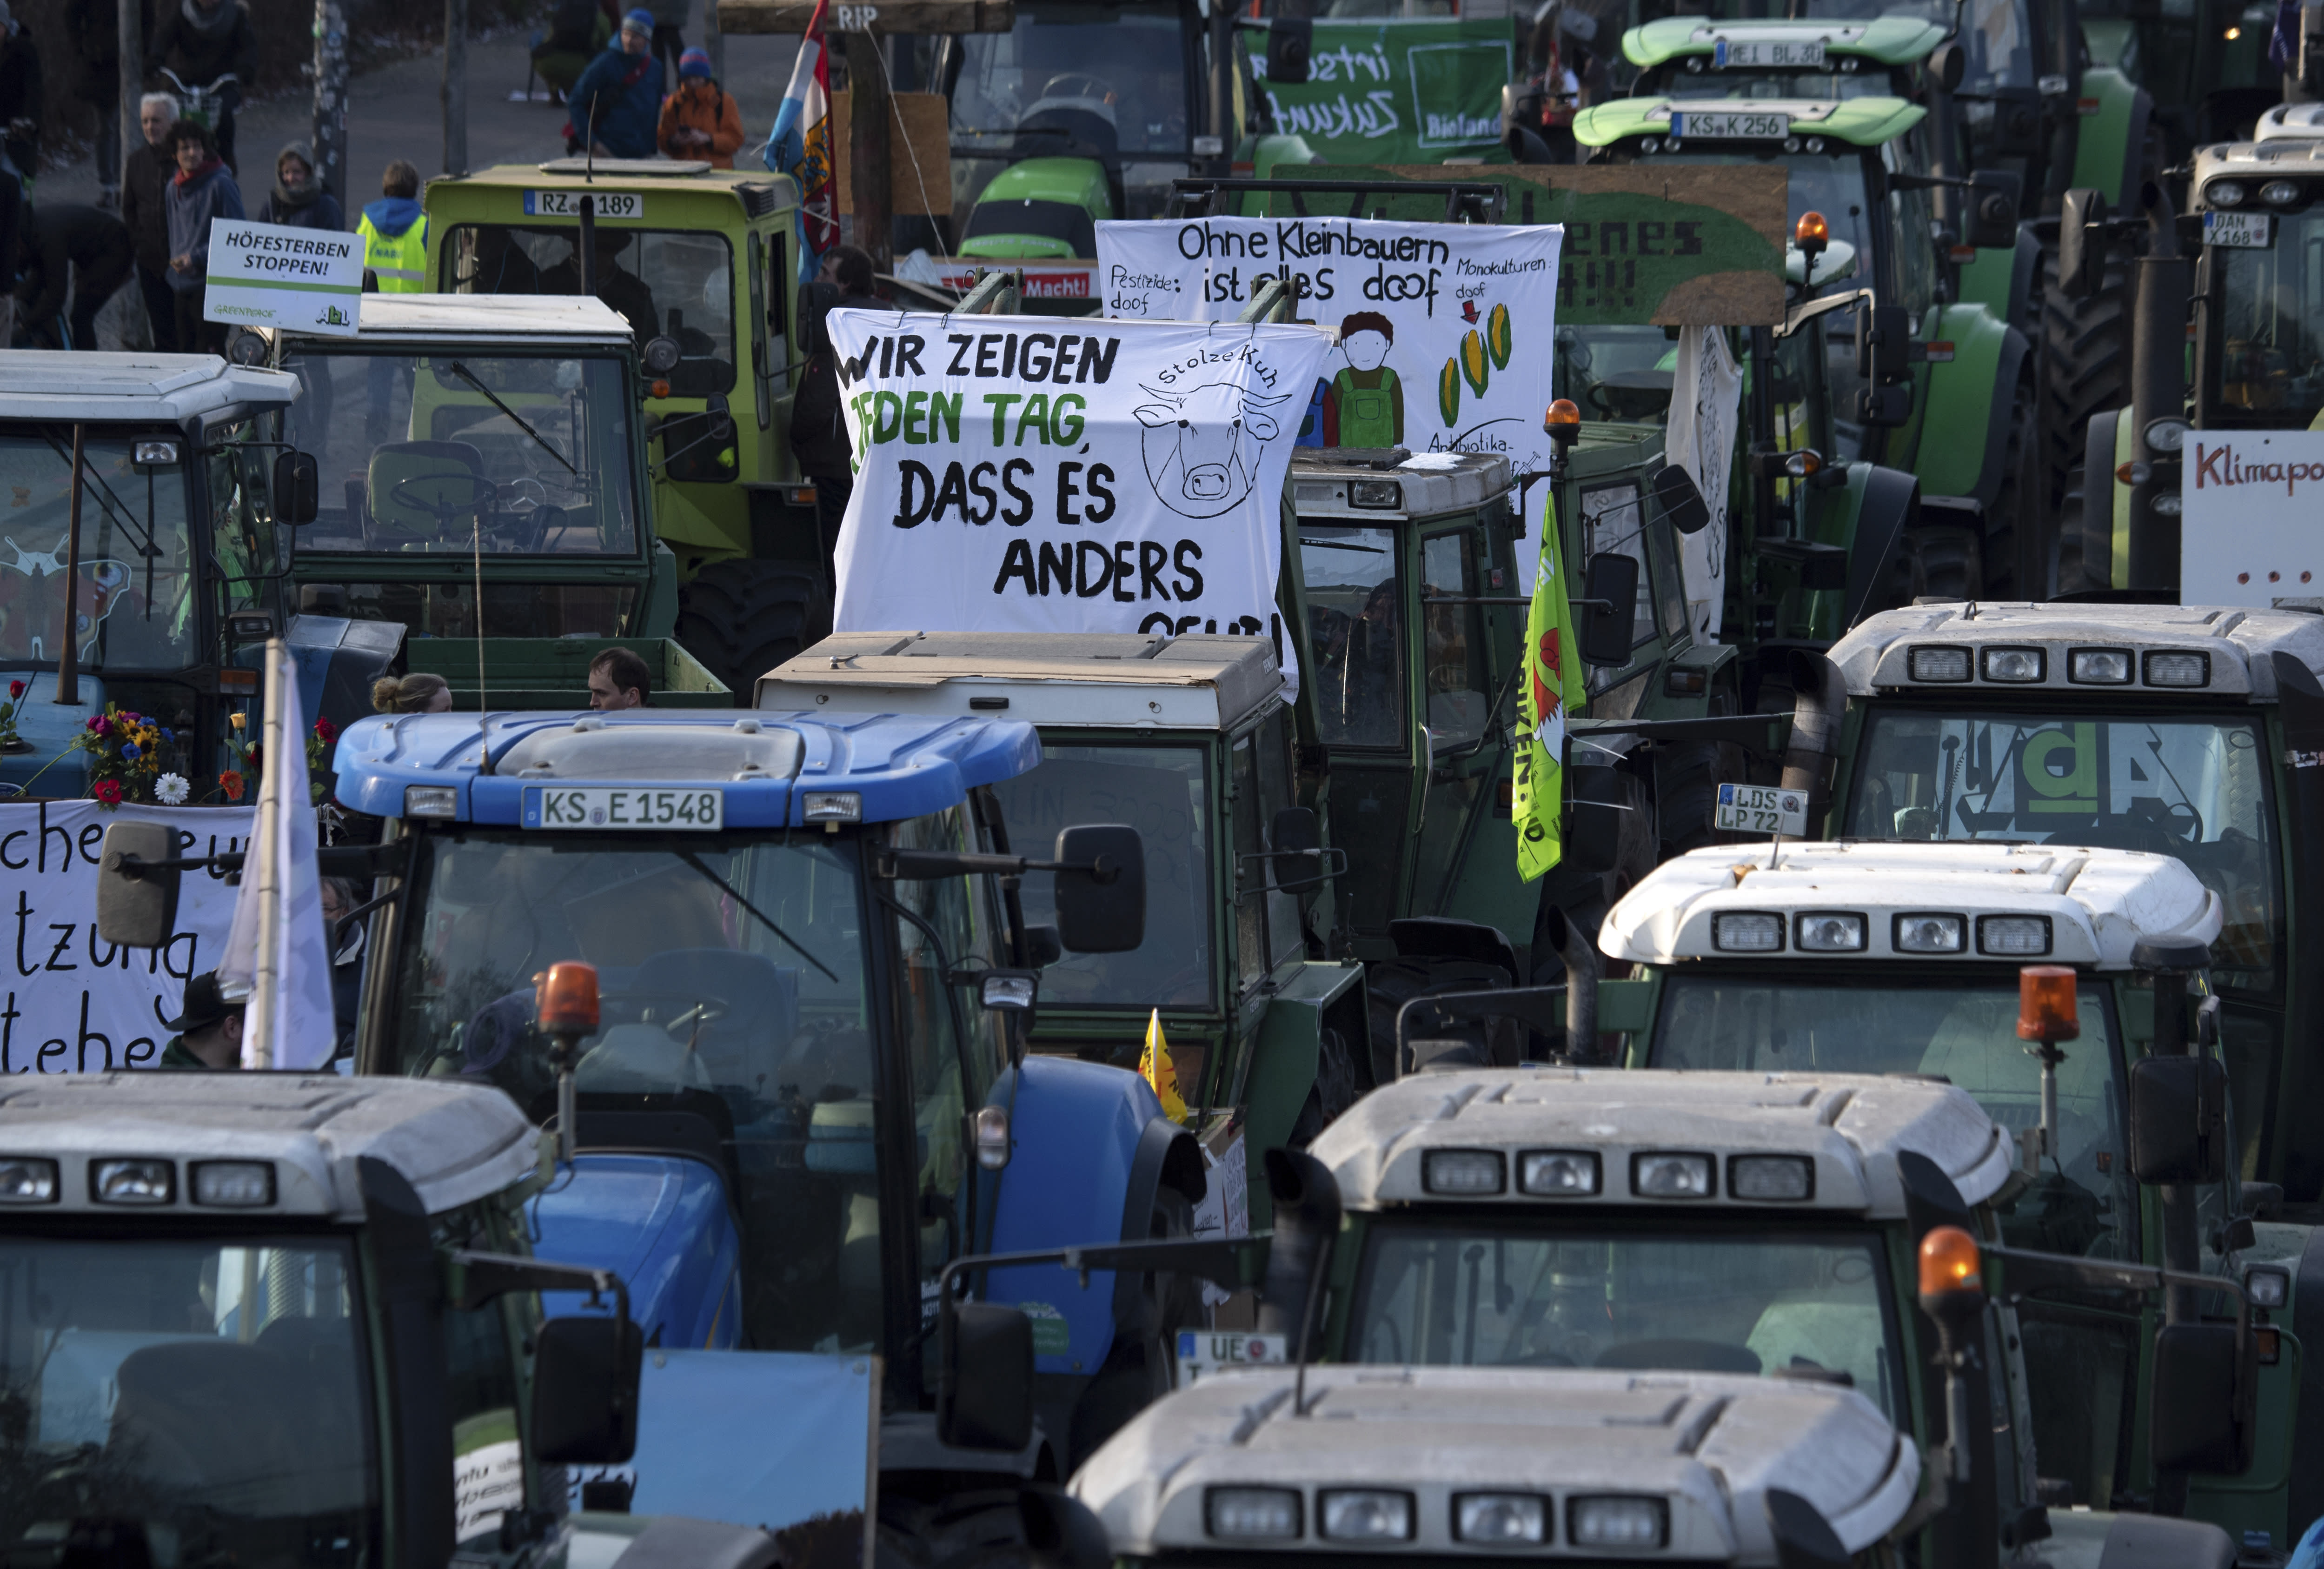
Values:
[(1558, 1173), (154, 452), (430, 801), (2013, 937), (232, 1184), (2268, 1287), (1747, 931), (2278, 193), (1499, 1519), (1252, 1514), (1928, 932), (832, 807), (2225, 193), (1617, 1522), (1828, 931), (2167, 433), (1665, 1175), (1383, 494), (2098, 667), (1365, 1514), (1462, 1173), (2177, 669), (1815, 144), (1770, 1179), (2018, 665), (132, 1181), (1938, 664), (26, 1180)]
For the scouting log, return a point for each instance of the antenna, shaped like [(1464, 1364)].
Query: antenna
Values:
[(589, 148), (1305, 1337), (476, 570)]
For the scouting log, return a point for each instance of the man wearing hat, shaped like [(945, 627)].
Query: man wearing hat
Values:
[(208, 1027), (701, 119), (617, 101)]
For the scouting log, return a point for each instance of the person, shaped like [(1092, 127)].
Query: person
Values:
[(394, 231), (623, 290), (340, 897), (701, 119), (96, 82), (670, 17), (71, 245), (144, 184), (299, 200), (818, 433), (421, 692), (1365, 404), (577, 29), (202, 41), (202, 189), (617, 102), (22, 96), (618, 679), (208, 1027)]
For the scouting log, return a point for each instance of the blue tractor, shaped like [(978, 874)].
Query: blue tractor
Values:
[(805, 1088)]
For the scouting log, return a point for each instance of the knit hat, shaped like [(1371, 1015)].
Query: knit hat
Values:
[(694, 62), (639, 20)]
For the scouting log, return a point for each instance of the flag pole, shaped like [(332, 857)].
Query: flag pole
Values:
[(259, 1046)]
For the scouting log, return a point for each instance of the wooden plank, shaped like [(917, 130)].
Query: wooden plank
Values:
[(918, 127), (886, 16)]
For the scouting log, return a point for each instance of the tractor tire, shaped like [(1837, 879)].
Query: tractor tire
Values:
[(1953, 563), (2021, 515), (1390, 984), (2085, 354), (1687, 777), (743, 618), (2081, 563), (977, 1529)]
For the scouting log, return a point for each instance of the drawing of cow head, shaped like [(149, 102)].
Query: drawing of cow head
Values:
[(1201, 444)]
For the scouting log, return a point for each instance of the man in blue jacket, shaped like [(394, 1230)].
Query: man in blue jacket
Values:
[(202, 189), (617, 102)]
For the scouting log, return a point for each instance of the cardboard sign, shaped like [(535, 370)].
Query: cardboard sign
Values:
[(1446, 331), (2248, 532), (1396, 91), (273, 275), (1028, 475)]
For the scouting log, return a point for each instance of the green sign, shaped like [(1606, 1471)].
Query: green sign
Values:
[(1399, 92)]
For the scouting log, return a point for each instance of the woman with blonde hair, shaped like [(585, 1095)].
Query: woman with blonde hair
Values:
[(421, 692)]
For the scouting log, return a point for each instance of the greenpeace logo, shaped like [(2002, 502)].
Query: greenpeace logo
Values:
[(2219, 466)]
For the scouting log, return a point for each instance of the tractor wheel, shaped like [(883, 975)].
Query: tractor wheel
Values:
[(1687, 777), (1140, 1368), (979, 1529), (2086, 349), (2079, 567), (743, 618), (1390, 984), (1952, 564), (2020, 514)]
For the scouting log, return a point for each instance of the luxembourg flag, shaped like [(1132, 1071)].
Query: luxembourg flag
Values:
[(801, 146)]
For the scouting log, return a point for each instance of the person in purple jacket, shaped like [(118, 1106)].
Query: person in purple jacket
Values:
[(202, 189)]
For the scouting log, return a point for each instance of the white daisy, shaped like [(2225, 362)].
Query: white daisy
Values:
[(171, 789)]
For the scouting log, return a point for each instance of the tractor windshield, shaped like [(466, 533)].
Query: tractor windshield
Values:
[(2271, 298), (1998, 34), (1752, 1300), (1616, 372), (1354, 620), (1963, 1031), (136, 604), (212, 1390)]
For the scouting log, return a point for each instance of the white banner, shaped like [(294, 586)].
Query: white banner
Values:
[(75, 1002), (273, 275), (1027, 474), (1706, 396), (1446, 330), (2247, 536)]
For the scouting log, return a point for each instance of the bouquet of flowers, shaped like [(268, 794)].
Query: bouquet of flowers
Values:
[(250, 754), (9, 740), (127, 751)]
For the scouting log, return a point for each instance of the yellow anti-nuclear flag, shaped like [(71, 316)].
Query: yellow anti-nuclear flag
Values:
[(1154, 1069), (1554, 685)]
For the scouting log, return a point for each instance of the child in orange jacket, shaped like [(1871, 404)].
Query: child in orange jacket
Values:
[(700, 120)]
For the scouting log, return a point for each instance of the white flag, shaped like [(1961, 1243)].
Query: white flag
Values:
[(1706, 393), (275, 954)]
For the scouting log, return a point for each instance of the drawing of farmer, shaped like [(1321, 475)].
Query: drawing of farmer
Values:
[(1365, 404)]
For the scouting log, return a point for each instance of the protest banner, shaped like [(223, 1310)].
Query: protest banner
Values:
[(2244, 536), (75, 1002), (1399, 91), (272, 275), (1031, 474), (1445, 330)]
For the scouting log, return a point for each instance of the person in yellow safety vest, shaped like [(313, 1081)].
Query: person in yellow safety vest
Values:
[(395, 233)]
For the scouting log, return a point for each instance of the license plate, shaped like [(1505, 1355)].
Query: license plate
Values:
[(1761, 809), (2239, 231), (603, 806), (1209, 1350), (566, 204), (1766, 54), (1729, 126)]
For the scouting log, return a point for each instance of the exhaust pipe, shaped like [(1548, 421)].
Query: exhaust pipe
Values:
[(1584, 970), (1306, 1221), (1818, 702)]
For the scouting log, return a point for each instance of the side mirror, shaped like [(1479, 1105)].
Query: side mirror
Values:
[(2178, 1126), (1882, 333), (986, 1402), (1991, 219), (1888, 407), (2081, 244), (1297, 836), (1804, 1539), (1009, 990), (2199, 1417), (1593, 828), (1681, 500), (1946, 65), (1042, 948), (584, 1390), (1290, 42), (136, 908), (1103, 902), (1609, 629), (298, 488)]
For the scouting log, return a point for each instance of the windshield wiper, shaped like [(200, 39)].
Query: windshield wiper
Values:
[(466, 374), (691, 859)]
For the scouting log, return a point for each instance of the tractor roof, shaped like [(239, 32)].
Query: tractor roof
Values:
[(1706, 1447), (2289, 149), (1851, 1126), (1198, 682), (2096, 905), (2296, 121), (769, 767), (2235, 646), (758, 192), (1889, 40), (453, 1143), (171, 388), (1386, 485), (549, 320), (1867, 122)]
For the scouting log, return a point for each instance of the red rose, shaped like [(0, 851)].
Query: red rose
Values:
[(231, 783), (107, 791), (15, 688), (326, 731)]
